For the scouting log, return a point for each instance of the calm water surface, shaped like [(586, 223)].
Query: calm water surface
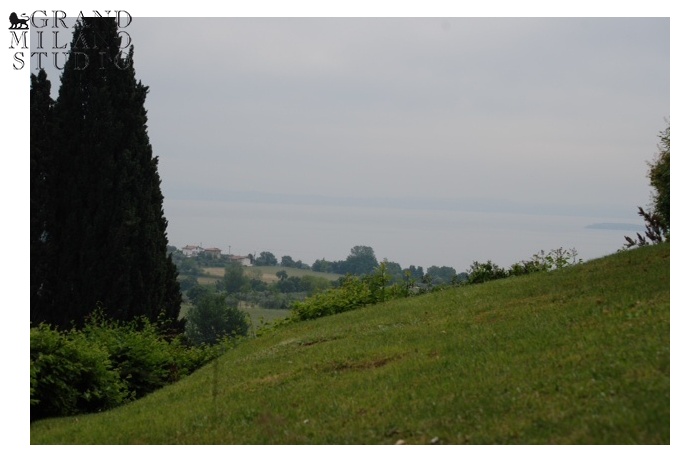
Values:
[(408, 237)]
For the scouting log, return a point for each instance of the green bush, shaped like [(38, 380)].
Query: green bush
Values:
[(143, 358), (554, 259), (483, 272), (69, 374), (104, 365), (352, 293), (660, 179), (212, 319)]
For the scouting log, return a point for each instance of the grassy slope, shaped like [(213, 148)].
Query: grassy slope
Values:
[(576, 356)]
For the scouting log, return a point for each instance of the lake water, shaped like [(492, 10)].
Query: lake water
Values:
[(408, 237)]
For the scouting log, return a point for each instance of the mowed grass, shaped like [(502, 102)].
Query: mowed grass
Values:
[(575, 356)]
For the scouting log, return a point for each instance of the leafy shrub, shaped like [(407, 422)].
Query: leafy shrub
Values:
[(104, 365), (70, 374), (144, 359), (353, 292), (483, 272), (561, 258), (555, 259)]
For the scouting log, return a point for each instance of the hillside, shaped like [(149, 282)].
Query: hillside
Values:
[(264, 273), (575, 356)]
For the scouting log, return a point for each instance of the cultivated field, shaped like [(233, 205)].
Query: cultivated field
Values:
[(264, 273)]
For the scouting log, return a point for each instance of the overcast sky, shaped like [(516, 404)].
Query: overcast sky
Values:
[(544, 116), (536, 115), (513, 115), (552, 112)]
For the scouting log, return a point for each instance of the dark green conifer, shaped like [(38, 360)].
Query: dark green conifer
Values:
[(107, 233), (39, 147)]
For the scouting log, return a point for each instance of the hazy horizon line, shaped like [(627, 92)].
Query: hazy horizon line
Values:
[(479, 205)]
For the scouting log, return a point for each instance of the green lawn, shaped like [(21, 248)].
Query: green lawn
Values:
[(574, 356)]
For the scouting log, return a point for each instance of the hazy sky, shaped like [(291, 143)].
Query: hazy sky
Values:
[(545, 116), (551, 112), (511, 115)]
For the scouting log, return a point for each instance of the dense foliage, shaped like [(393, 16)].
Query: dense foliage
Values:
[(213, 319), (357, 291), (105, 364), (658, 218), (266, 259), (660, 179), (40, 175), (98, 227), (247, 285), (360, 261), (354, 292), (70, 375)]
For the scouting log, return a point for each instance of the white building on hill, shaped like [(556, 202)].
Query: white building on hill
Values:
[(192, 250), (243, 260)]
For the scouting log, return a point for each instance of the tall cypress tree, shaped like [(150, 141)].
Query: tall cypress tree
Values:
[(107, 231), (40, 156)]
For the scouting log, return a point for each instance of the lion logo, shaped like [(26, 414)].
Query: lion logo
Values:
[(18, 23)]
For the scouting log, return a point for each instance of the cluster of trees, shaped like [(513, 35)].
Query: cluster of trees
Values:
[(267, 258), (356, 291), (98, 231), (361, 261), (236, 280), (240, 285)]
